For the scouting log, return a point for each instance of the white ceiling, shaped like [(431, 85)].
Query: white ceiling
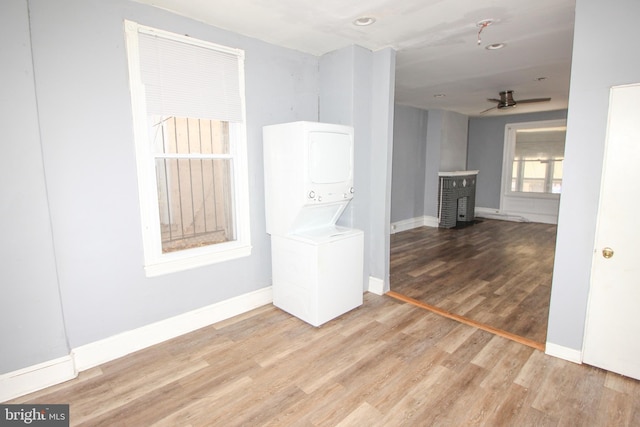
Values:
[(435, 40)]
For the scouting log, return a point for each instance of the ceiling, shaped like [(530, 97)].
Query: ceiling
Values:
[(436, 43)]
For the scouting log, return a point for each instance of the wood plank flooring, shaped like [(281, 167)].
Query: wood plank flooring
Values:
[(386, 363), (494, 272)]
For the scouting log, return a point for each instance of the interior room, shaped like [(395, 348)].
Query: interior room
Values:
[(103, 310)]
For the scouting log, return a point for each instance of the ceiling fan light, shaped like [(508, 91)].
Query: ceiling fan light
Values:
[(506, 98)]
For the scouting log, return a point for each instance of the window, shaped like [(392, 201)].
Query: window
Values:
[(188, 108), (537, 153)]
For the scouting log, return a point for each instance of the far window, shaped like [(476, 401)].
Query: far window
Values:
[(188, 107), (538, 153)]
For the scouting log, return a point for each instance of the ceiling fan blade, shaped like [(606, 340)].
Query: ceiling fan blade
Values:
[(488, 109), (528, 101)]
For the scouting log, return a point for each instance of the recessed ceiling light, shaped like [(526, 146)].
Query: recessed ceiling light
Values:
[(495, 46), (363, 21)]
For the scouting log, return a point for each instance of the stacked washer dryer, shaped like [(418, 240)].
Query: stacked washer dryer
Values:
[(316, 265)]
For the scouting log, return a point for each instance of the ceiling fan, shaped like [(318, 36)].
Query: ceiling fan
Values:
[(506, 100)]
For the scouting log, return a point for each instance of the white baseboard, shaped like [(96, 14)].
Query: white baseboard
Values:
[(36, 377), (96, 353), (376, 286), (430, 221), (491, 213), (564, 353), (408, 224), (541, 218), (486, 211)]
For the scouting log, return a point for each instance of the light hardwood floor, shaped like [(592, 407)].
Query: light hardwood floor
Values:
[(494, 272), (386, 363)]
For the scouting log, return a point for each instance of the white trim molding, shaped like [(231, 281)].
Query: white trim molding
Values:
[(490, 213), (36, 377), (411, 223), (376, 286), (96, 353), (498, 214), (564, 353)]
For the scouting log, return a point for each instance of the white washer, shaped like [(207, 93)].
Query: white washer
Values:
[(317, 274)]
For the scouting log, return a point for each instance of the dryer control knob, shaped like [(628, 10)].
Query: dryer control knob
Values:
[(312, 194), (352, 190)]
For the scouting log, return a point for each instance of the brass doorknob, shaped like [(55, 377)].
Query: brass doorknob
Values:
[(607, 253)]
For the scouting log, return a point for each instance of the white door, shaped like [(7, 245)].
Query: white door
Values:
[(612, 335)]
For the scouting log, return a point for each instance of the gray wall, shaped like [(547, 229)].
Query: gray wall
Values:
[(356, 88), (85, 113), (381, 156), (409, 157), (453, 148), (446, 151), (486, 148), (31, 321), (605, 38), (425, 143), (435, 132), (85, 124)]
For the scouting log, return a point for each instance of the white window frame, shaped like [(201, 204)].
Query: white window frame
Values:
[(155, 262), (537, 207), (509, 154)]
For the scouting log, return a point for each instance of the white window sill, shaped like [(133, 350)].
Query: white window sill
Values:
[(522, 194), (174, 263)]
